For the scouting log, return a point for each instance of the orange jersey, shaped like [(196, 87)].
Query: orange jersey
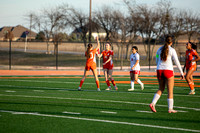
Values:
[(92, 60), (190, 55)]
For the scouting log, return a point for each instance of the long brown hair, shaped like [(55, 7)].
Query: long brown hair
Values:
[(88, 50), (165, 49)]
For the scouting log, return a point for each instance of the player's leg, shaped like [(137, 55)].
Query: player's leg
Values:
[(107, 79), (96, 78), (110, 72), (132, 76), (189, 80), (170, 100), (158, 93), (139, 81), (83, 79)]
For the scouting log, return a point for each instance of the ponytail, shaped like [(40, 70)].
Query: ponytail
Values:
[(165, 49), (88, 50)]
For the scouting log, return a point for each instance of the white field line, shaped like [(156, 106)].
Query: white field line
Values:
[(96, 100), (33, 87), (143, 111), (9, 91), (108, 112), (74, 113), (38, 90), (100, 120)]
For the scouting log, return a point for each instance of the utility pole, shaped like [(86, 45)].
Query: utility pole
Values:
[(90, 22)]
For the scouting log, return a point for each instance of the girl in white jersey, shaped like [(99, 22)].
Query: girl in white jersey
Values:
[(165, 73), (135, 68)]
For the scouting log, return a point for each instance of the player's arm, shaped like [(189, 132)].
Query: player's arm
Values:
[(175, 58), (137, 62), (197, 57), (99, 55), (110, 58)]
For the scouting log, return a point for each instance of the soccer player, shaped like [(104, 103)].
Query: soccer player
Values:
[(165, 74), (108, 65), (135, 68), (91, 64), (190, 64)]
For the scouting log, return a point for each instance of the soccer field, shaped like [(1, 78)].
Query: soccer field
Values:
[(52, 104)]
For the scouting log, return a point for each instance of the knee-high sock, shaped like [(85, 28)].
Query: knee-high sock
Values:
[(97, 82), (191, 85), (170, 103), (132, 84), (81, 83), (155, 98), (113, 82), (139, 81), (108, 83)]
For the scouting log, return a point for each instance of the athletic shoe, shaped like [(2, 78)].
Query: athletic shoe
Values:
[(98, 89), (192, 92), (172, 111), (131, 89), (116, 88), (152, 107), (142, 86), (79, 88), (108, 89)]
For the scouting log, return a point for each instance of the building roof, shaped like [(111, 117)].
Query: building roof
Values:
[(18, 31)]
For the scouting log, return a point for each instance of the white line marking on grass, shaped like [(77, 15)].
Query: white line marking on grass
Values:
[(74, 113), (97, 100), (182, 111), (100, 120), (38, 90), (9, 91), (88, 83), (108, 112), (141, 111)]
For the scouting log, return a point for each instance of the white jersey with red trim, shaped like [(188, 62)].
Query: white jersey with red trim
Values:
[(133, 59), (167, 65)]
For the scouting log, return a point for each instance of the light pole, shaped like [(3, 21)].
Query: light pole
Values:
[(90, 22)]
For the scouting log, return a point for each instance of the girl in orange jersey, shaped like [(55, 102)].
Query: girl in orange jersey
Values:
[(108, 66), (190, 64), (91, 64)]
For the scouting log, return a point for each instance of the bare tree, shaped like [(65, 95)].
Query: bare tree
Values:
[(52, 21)]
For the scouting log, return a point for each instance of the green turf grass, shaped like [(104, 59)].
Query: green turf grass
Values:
[(50, 97)]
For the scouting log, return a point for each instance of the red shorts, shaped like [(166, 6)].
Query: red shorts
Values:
[(92, 67), (164, 74), (108, 66), (135, 72)]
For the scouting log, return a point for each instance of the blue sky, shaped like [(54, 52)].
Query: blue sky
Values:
[(12, 12)]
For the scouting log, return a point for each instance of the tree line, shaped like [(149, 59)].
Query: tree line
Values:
[(150, 23)]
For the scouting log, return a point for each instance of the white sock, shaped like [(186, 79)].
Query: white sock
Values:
[(132, 84), (139, 82), (170, 103), (155, 98)]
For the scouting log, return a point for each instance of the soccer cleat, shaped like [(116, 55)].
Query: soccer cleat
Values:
[(152, 107), (142, 86), (172, 111), (98, 89), (79, 88), (108, 89), (192, 92), (131, 89), (116, 88)]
